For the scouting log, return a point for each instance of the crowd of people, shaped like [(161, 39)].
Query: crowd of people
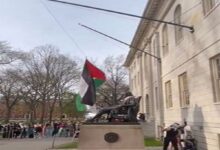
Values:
[(21, 130)]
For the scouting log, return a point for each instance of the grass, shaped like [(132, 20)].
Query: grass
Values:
[(151, 142), (67, 146)]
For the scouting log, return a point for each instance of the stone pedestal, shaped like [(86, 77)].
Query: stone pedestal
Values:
[(111, 137)]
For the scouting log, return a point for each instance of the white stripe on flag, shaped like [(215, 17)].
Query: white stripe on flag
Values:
[(83, 87)]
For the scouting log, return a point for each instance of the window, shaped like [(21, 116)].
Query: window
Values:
[(134, 65), (177, 20), (147, 105), (156, 47), (156, 98), (168, 93), (219, 141), (165, 40), (131, 84), (215, 68), (183, 90), (145, 67), (208, 5), (135, 82), (159, 132)]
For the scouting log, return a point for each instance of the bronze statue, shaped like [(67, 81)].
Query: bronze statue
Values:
[(125, 112)]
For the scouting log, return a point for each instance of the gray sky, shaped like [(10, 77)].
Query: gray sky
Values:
[(26, 24)]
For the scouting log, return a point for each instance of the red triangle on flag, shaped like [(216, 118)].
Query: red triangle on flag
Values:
[(95, 72)]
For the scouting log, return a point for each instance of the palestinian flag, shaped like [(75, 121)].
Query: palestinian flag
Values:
[(91, 78), (79, 106)]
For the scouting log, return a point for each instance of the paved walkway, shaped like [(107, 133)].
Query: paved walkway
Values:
[(40, 144), (31, 144), (148, 148)]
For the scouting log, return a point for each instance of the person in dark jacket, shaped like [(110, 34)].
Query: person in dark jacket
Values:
[(171, 136)]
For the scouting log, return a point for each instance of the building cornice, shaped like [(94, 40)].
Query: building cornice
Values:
[(148, 12), (143, 33)]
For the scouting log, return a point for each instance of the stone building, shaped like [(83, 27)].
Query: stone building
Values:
[(184, 83)]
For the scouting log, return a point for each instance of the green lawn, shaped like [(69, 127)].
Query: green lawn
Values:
[(151, 142), (67, 146)]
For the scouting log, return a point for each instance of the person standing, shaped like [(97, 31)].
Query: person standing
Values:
[(30, 131), (171, 136)]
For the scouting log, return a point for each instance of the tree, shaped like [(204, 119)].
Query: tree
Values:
[(10, 89), (7, 55), (65, 75), (112, 91), (48, 75), (30, 93), (43, 76)]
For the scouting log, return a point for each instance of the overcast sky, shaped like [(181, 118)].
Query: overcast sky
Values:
[(26, 24)]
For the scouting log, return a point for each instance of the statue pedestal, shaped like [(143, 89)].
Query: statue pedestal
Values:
[(111, 136)]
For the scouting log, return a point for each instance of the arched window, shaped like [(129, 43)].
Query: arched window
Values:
[(177, 20), (165, 40)]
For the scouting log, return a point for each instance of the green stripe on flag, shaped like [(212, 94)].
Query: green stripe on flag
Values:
[(79, 106), (98, 82)]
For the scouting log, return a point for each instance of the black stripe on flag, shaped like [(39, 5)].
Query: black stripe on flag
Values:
[(90, 95)]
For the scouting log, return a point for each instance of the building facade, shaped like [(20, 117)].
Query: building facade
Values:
[(184, 83)]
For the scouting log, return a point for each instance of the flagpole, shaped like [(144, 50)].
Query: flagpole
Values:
[(190, 28), (89, 28)]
